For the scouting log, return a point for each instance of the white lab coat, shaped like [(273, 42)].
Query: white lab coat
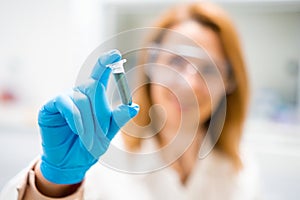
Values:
[(213, 178)]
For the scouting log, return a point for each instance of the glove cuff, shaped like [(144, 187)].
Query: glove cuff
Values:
[(62, 176)]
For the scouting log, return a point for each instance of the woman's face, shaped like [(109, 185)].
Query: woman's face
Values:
[(205, 83)]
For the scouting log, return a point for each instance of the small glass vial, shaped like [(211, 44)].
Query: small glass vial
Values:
[(121, 80)]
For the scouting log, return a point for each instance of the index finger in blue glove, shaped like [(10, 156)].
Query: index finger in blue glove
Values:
[(100, 71)]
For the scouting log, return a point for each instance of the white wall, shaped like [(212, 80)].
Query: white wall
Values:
[(43, 45), (271, 43), (36, 34)]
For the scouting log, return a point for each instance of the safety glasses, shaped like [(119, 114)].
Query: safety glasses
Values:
[(172, 63)]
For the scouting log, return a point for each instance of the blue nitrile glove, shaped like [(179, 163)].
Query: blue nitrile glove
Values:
[(77, 128)]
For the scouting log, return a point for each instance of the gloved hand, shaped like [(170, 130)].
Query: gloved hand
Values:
[(77, 128)]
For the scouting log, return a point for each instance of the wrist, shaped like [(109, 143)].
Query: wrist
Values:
[(62, 175), (51, 189)]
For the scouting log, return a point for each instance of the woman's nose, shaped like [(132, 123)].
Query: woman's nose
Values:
[(194, 78)]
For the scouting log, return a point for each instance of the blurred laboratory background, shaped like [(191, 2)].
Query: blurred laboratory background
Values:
[(44, 43)]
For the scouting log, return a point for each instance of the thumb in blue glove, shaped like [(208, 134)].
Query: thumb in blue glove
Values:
[(77, 127)]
